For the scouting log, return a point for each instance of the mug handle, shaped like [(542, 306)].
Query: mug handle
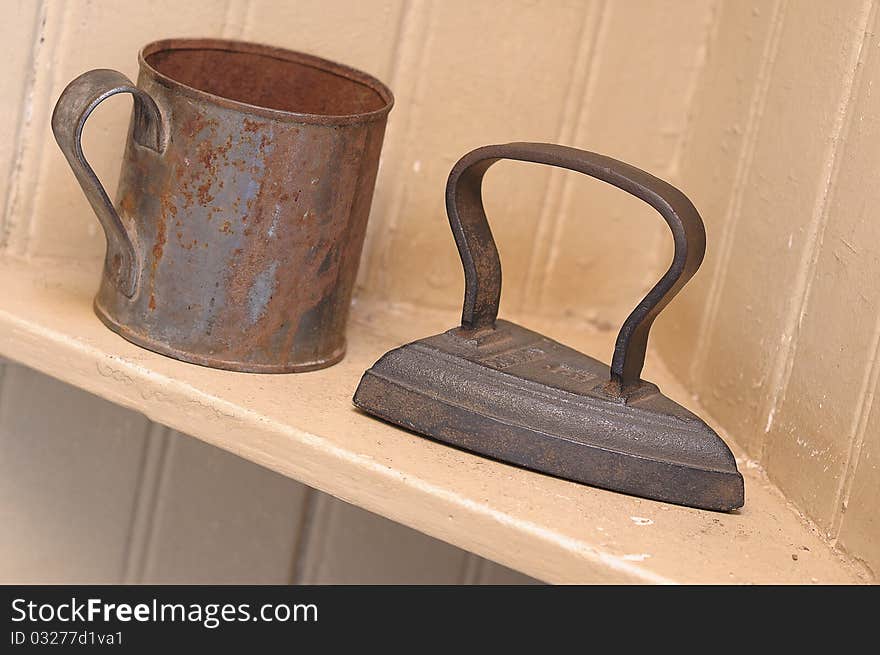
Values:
[(74, 106), (482, 266)]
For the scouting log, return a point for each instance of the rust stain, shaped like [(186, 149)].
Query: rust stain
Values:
[(187, 196), (192, 124), (166, 205), (128, 204), (205, 198), (159, 246), (206, 155), (291, 318)]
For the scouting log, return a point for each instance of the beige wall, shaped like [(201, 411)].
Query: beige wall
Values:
[(761, 110), (464, 74), (778, 336)]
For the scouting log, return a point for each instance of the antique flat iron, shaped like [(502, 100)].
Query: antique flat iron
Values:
[(501, 390)]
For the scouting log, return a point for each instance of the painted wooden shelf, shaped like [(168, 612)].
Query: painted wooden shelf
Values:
[(305, 427)]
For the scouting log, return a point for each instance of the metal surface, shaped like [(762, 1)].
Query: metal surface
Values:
[(501, 390), (242, 203)]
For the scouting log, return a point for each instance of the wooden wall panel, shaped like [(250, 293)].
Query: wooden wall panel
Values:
[(19, 32), (762, 285), (495, 574), (454, 67), (68, 466), (714, 164), (94, 493), (361, 34), (470, 74), (347, 545), (860, 529), (778, 335), (218, 519), (607, 249), (816, 419)]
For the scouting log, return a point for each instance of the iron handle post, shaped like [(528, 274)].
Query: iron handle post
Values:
[(78, 100), (482, 265)]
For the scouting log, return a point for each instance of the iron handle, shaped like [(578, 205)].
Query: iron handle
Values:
[(482, 266), (78, 100)]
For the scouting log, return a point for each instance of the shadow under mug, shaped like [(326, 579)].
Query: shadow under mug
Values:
[(242, 204)]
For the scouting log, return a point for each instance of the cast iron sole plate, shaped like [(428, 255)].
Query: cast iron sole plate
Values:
[(519, 397)]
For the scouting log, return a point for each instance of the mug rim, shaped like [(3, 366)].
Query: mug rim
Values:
[(275, 52)]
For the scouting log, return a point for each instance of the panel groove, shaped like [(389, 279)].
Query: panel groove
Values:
[(143, 513), (472, 569), (597, 60), (867, 395), (734, 207), (400, 189), (784, 360), (3, 370), (393, 65), (551, 203), (227, 18), (156, 497), (662, 256), (33, 178), (376, 220), (313, 538), (299, 563), (712, 30), (236, 19), (414, 27), (25, 116), (133, 540), (248, 21)]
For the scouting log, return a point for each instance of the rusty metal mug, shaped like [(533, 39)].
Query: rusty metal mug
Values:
[(242, 204)]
